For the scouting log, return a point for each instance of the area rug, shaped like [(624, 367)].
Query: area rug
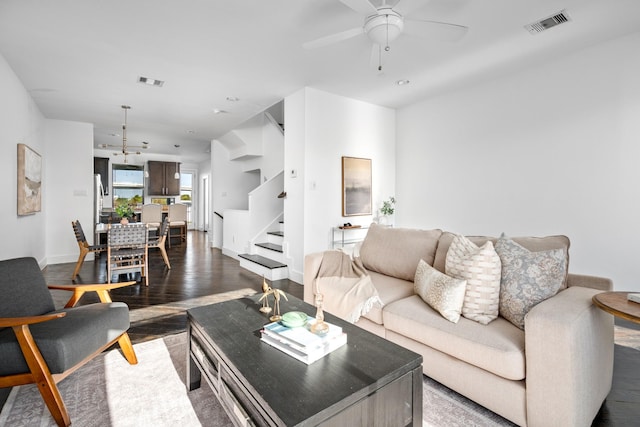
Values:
[(110, 392)]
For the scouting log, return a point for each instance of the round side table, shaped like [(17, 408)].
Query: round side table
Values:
[(617, 304)]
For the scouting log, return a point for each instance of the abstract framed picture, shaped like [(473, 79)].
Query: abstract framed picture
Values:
[(29, 180), (356, 186)]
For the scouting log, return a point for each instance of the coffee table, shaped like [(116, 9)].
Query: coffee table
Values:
[(617, 304), (369, 381)]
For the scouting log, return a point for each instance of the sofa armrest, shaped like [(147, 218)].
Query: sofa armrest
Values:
[(593, 282), (569, 352), (311, 267)]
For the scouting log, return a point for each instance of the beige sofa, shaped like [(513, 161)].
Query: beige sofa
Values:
[(555, 372)]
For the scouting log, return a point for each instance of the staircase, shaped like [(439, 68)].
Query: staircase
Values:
[(267, 258)]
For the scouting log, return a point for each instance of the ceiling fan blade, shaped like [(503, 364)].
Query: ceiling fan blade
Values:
[(440, 31), (333, 38), (363, 7), (406, 7)]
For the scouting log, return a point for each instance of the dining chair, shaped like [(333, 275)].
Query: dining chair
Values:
[(160, 240), (178, 219), (127, 250), (42, 345), (85, 247), (151, 214)]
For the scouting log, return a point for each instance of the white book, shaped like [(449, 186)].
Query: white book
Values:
[(634, 297), (308, 358), (301, 337)]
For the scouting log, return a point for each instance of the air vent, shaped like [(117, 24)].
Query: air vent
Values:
[(150, 82), (550, 22)]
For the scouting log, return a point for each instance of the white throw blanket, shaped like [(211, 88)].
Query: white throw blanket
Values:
[(346, 286)]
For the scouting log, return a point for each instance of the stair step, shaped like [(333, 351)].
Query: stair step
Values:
[(276, 233), (270, 246), (265, 262)]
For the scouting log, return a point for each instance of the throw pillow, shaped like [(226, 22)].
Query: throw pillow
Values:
[(481, 268), (443, 293), (528, 278)]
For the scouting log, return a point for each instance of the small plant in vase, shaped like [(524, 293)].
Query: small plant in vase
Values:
[(388, 209), (124, 211)]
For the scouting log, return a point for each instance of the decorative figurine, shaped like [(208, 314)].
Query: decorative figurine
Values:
[(319, 327), (265, 299), (277, 293)]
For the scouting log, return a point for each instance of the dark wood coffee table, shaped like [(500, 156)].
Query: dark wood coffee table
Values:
[(370, 381)]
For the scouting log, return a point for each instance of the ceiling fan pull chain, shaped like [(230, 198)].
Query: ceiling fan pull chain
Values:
[(379, 58), (387, 48)]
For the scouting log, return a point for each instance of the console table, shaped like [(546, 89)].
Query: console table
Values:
[(369, 381)]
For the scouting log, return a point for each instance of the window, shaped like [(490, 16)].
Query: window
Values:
[(128, 185)]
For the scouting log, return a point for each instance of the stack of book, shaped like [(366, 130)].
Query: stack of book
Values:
[(301, 343)]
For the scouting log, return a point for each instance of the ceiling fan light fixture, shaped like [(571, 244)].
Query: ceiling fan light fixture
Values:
[(384, 27)]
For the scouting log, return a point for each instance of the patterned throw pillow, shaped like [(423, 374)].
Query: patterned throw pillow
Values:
[(481, 268), (443, 293), (528, 278)]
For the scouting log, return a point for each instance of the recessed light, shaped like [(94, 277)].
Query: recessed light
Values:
[(150, 82), (176, 145), (145, 142), (219, 111), (233, 98), (191, 132), (402, 82), (114, 134)]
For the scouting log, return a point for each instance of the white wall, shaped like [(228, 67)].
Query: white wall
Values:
[(69, 196), (321, 128), (229, 187), (553, 150), (20, 122)]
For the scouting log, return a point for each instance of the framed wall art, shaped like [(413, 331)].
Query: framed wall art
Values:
[(29, 180), (356, 186)]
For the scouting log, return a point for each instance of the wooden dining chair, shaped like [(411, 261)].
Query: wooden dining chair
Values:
[(127, 250), (160, 240), (84, 246), (151, 214), (41, 345), (178, 219)]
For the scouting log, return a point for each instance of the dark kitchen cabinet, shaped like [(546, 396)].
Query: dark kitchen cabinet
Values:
[(162, 181), (101, 166)]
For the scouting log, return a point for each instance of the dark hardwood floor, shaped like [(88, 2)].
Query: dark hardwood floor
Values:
[(199, 273)]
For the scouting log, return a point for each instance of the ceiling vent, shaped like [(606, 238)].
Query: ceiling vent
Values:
[(550, 22), (150, 82)]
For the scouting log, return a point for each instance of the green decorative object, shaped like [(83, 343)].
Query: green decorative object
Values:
[(388, 206), (125, 211)]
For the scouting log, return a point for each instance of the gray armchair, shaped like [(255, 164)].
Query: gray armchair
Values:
[(41, 345)]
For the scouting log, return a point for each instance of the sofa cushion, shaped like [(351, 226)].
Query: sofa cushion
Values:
[(497, 347), (481, 268), (390, 289), (444, 293), (397, 251), (528, 278), (534, 244)]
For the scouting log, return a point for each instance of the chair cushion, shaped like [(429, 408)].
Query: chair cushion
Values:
[(66, 341), (23, 291), (497, 347)]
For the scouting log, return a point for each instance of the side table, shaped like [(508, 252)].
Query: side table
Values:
[(616, 303)]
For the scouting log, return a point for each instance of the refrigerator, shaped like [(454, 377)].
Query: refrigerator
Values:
[(98, 197)]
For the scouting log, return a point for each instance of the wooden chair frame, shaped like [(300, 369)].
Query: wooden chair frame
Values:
[(178, 219), (161, 240), (84, 247), (38, 370)]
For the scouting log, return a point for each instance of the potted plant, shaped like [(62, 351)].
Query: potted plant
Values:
[(388, 209), (124, 211)]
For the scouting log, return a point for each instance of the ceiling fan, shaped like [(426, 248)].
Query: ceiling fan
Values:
[(125, 148), (385, 23)]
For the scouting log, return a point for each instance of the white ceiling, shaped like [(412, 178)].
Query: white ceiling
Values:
[(80, 59)]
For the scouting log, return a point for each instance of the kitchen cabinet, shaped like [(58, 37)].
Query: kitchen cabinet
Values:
[(101, 166), (162, 181)]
